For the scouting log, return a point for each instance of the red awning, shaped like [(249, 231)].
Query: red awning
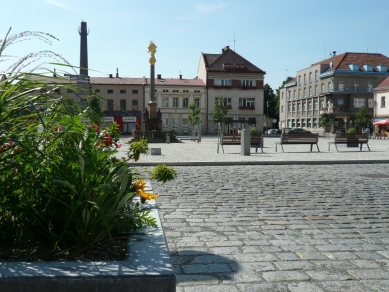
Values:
[(382, 123)]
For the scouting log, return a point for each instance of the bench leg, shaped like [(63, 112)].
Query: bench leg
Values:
[(317, 146), (261, 149), (276, 147), (336, 147), (311, 147), (282, 147), (367, 144), (329, 146), (218, 147), (360, 147)]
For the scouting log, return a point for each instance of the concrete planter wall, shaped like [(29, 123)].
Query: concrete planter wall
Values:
[(147, 268)]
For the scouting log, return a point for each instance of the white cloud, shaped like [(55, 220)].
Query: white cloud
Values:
[(204, 8), (58, 4)]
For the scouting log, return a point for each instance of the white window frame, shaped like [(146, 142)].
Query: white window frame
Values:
[(359, 102)]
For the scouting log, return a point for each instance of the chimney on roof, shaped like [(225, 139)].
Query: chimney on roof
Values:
[(180, 76), (334, 52), (227, 48), (159, 76), (110, 75), (117, 73)]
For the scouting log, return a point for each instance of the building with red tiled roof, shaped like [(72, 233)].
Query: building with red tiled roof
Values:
[(381, 97), (239, 82), (339, 85)]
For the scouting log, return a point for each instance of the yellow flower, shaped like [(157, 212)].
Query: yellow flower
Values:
[(147, 196), (139, 186)]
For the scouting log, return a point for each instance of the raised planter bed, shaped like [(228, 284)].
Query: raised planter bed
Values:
[(147, 268)]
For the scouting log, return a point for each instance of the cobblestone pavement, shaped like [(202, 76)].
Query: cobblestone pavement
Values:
[(295, 228)]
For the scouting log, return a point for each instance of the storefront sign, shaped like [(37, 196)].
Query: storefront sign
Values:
[(108, 119), (129, 119)]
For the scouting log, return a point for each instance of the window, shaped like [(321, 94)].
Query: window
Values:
[(305, 92), (294, 94), (383, 101), (299, 93), (310, 90), (356, 86), (185, 102), (368, 68), (315, 105), (359, 102), (197, 91), (282, 95), (294, 107), (341, 86), (316, 75), (305, 78), (110, 104), (185, 123), (185, 90), (282, 108), (322, 88), (322, 105), (134, 104), (246, 102), (310, 77), (109, 91), (197, 102), (175, 102), (165, 90), (123, 91), (354, 67), (329, 86), (247, 83), (299, 79), (370, 86), (370, 102), (123, 104), (165, 102), (309, 105), (165, 123), (289, 108), (134, 91), (97, 90), (175, 124), (223, 82), (304, 106), (299, 107), (175, 90)]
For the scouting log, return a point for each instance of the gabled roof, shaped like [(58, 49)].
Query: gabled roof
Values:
[(117, 80), (343, 61), (178, 81), (383, 85), (229, 61)]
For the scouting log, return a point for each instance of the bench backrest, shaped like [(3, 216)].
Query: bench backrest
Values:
[(254, 139), (299, 137), (351, 138)]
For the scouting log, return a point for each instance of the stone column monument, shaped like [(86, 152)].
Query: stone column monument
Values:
[(152, 119)]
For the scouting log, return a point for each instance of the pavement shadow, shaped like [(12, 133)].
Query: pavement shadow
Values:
[(191, 266)]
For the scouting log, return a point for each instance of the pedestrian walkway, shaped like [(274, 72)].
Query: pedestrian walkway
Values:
[(314, 222)]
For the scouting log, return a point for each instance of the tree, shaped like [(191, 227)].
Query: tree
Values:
[(94, 111), (219, 112), (363, 118), (325, 120), (193, 116), (269, 99)]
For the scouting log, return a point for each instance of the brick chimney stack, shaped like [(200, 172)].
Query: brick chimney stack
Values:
[(83, 31)]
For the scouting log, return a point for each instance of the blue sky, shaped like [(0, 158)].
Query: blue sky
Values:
[(278, 36)]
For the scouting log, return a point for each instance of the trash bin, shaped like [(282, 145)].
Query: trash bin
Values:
[(167, 138)]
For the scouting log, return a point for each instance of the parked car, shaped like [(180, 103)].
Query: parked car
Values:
[(273, 131), (299, 131)]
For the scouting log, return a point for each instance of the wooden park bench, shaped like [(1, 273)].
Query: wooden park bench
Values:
[(234, 139), (348, 138), (299, 138)]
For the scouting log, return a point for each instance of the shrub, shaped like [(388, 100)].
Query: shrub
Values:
[(254, 130), (352, 131)]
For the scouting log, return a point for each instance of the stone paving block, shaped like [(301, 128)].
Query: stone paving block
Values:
[(257, 267), (334, 264), (206, 268), (256, 242), (240, 277), (333, 247), (265, 287), (228, 250), (366, 247), (184, 280), (369, 273), (259, 257), (212, 288), (209, 259), (329, 275), (285, 276), (377, 285), (366, 264), (224, 243), (343, 286), (293, 265), (288, 256), (304, 287), (342, 255), (384, 253)]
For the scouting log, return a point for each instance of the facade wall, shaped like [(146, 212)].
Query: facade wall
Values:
[(382, 104), (171, 100)]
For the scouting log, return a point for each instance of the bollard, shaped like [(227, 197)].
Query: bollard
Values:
[(167, 138), (199, 137), (245, 142)]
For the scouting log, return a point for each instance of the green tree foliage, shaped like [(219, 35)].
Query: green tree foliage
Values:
[(193, 116), (325, 120), (269, 98), (95, 110), (219, 111), (363, 118)]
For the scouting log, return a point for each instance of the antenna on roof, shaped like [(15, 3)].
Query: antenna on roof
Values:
[(233, 40)]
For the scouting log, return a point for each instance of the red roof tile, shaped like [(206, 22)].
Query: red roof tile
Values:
[(384, 83)]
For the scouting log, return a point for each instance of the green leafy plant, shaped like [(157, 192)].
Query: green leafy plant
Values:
[(193, 116), (325, 120), (162, 173), (254, 131), (352, 131), (137, 148)]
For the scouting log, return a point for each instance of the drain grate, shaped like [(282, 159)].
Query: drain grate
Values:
[(376, 175)]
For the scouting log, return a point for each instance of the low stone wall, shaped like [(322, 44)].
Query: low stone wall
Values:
[(147, 268)]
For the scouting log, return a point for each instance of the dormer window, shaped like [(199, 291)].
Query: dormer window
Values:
[(368, 68), (354, 67), (383, 68)]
